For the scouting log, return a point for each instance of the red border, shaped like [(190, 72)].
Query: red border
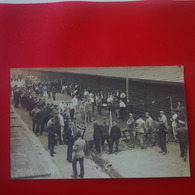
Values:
[(96, 34)]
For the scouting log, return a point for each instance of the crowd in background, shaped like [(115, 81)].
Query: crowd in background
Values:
[(59, 120)]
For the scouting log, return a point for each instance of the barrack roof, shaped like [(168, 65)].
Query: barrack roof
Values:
[(150, 73)]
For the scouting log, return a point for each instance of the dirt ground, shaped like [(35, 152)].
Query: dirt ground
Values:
[(129, 163)]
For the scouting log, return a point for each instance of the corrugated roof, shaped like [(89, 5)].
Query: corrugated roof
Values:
[(150, 73)]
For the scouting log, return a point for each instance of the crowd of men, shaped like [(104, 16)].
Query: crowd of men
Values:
[(59, 120)]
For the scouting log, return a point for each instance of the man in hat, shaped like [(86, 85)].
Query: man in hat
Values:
[(97, 137), (162, 118), (34, 117), (70, 136), (140, 129), (149, 124), (182, 135), (130, 128), (104, 132), (122, 108), (115, 135), (162, 132), (51, 136), (61, 106), (79, 155)]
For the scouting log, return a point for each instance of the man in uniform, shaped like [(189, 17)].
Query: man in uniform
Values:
[(52, 136), (130, 128), (149, 124), (97, 137), (70, 136), (140, 129), (182, 135), (104, 132), (34, 117), (79, 155), (115, 135)]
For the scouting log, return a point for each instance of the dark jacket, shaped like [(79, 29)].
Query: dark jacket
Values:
[(182, 134), (104, 130), (115, 132), (51, 129), (96, 131)]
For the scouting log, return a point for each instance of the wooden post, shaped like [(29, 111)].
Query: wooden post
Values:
[(127, 88), (110, 119), (146, 98), (171, 105)]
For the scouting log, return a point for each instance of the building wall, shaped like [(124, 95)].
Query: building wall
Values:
[(144, 96)]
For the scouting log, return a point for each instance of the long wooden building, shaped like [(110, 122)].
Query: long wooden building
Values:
[(149, 89)]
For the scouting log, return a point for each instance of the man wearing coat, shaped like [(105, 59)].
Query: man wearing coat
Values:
[(51, 136), (182, 135), (115, 135), (104, 132), (97, 137), (79, 155)]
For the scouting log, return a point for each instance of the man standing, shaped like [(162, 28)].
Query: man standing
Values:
[(122, 107), (174, 125), (51, 136), (34, 117), (70, 135), (182, 135), (140, 129), (130, 128), (162, 132), (149, 124), (104, 132), (115, 135), (88, 110), (75, 103), (61, 120), (97, 137), (79, 155), (163, 119), (71, 111)]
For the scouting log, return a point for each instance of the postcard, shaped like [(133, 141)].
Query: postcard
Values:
[(98, 122)]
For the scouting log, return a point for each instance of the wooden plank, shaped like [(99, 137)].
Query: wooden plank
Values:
[(26, 154)]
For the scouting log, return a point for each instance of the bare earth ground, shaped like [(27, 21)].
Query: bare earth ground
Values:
[(129, 163)]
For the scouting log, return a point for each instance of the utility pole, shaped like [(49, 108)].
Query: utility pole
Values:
[(171, 105), (127, 88)]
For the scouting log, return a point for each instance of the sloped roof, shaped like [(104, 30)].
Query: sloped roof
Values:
[(149, 73)]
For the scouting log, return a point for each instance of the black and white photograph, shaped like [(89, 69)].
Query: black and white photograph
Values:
[(98, 122)]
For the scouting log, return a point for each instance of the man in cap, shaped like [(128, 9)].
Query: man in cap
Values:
[(97, 137), (182, 135), (79, 155), (149, 124), (104, 132), (51, 136), (34, 117), (162, 119), (70, 136), (140, 129), (162, 133), (115, 135), (130, 128)]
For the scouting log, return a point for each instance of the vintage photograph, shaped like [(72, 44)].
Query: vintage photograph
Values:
[(98, 122)]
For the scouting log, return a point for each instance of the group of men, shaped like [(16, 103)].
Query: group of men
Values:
[(156, 132), (101, 134), (58, 121)]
